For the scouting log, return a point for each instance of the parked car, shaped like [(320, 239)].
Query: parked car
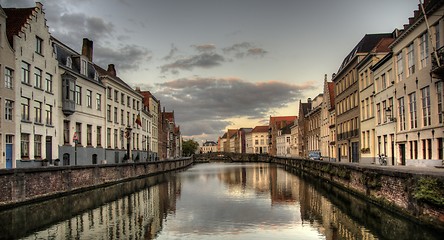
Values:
[(314, 156)]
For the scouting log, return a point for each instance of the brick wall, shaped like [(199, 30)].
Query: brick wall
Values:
[(24, 185)]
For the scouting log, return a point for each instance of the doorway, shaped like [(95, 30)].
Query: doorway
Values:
[(9, 147), (402, 153), (49, 148)]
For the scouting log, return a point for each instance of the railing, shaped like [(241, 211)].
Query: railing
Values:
[(438, 68)]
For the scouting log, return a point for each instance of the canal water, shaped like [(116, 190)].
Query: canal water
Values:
[(212, 201)]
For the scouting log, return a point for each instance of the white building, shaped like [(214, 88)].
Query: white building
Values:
[(208, 147), (418, 88), (260, 139), (35, 87), (283, 142)]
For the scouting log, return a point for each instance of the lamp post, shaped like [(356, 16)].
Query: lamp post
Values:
[(128, 144)]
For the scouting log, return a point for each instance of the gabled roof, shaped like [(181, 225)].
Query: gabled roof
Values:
[(305, 107), (17, 18), (367, 43), (102, 72), (169, 116), (260, 129), (286, 129)]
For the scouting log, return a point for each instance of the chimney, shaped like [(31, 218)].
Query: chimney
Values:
[(309, 100), (87, 49), (112, 70), (137, 89)]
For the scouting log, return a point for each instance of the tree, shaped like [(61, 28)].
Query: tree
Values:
[(189, 147)]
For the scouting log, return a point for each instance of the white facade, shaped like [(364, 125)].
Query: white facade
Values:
[(249, 142), (283, 143), (418, 94), (260, 141), (36, 92)]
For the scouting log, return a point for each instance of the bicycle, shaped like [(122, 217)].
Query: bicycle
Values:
[(382, 159)]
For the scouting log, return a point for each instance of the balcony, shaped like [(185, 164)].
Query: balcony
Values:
[(438, 69)]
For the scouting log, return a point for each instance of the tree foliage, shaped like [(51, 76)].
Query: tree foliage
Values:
[(189, 147)]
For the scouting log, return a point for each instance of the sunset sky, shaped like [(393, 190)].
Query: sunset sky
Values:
[(222, 63)]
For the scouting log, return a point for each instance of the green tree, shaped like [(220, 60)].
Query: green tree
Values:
[(189, 147)]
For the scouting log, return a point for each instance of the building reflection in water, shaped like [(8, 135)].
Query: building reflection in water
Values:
[(212, 201)]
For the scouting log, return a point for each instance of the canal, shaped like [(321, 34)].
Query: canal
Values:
[(212, 201)]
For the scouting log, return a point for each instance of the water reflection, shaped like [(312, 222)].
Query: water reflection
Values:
[(217, 201)]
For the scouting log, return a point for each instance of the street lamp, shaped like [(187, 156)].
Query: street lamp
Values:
[(128, 136)]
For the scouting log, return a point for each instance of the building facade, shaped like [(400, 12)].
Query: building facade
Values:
[(8, 101)]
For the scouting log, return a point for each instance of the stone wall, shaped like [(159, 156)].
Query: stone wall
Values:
[(418, 193), (19, 186)]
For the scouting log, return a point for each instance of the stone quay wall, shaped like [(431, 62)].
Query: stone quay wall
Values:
[(23, 185), (417, 193)]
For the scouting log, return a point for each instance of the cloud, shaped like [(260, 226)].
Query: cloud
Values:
[(240, 50), (205, 47), (127, 57), (172, 53), (202, 104), (203, 60)]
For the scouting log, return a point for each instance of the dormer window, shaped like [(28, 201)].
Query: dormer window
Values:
[(83, 68), (96, 76), (69, 62)]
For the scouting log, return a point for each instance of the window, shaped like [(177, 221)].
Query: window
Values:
[(38, 45), (37, 78), (378, 113), (108, 113), (89, 135), (66, 136), (48, 82), (437, 37), (99, 136), (115, 115), (37, 146), (9, 76), (24, 145), (48, 114), (423, 49), (256, 141), (115, 138), (108, 137), (401, 111), (122, 98), (134, 103), (25, 109), (122, 117), (25, 72), (116, 96), (9, 106), (109, 92), (89, 98), (83, 67), (79, 132), (78, 95), (411, 59), (37, 112), (128, 101), (426, 106), (384, 108), (122, 140), (99, 101), (383, 82), (399, 66), (69, 62), (412, 107), (439, 98)]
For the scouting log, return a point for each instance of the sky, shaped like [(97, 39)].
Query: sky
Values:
[(222, 64)]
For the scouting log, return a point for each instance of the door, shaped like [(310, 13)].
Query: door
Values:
[(49, 149), (355, 152), (339, 153), (402, 153), (9, 151)]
